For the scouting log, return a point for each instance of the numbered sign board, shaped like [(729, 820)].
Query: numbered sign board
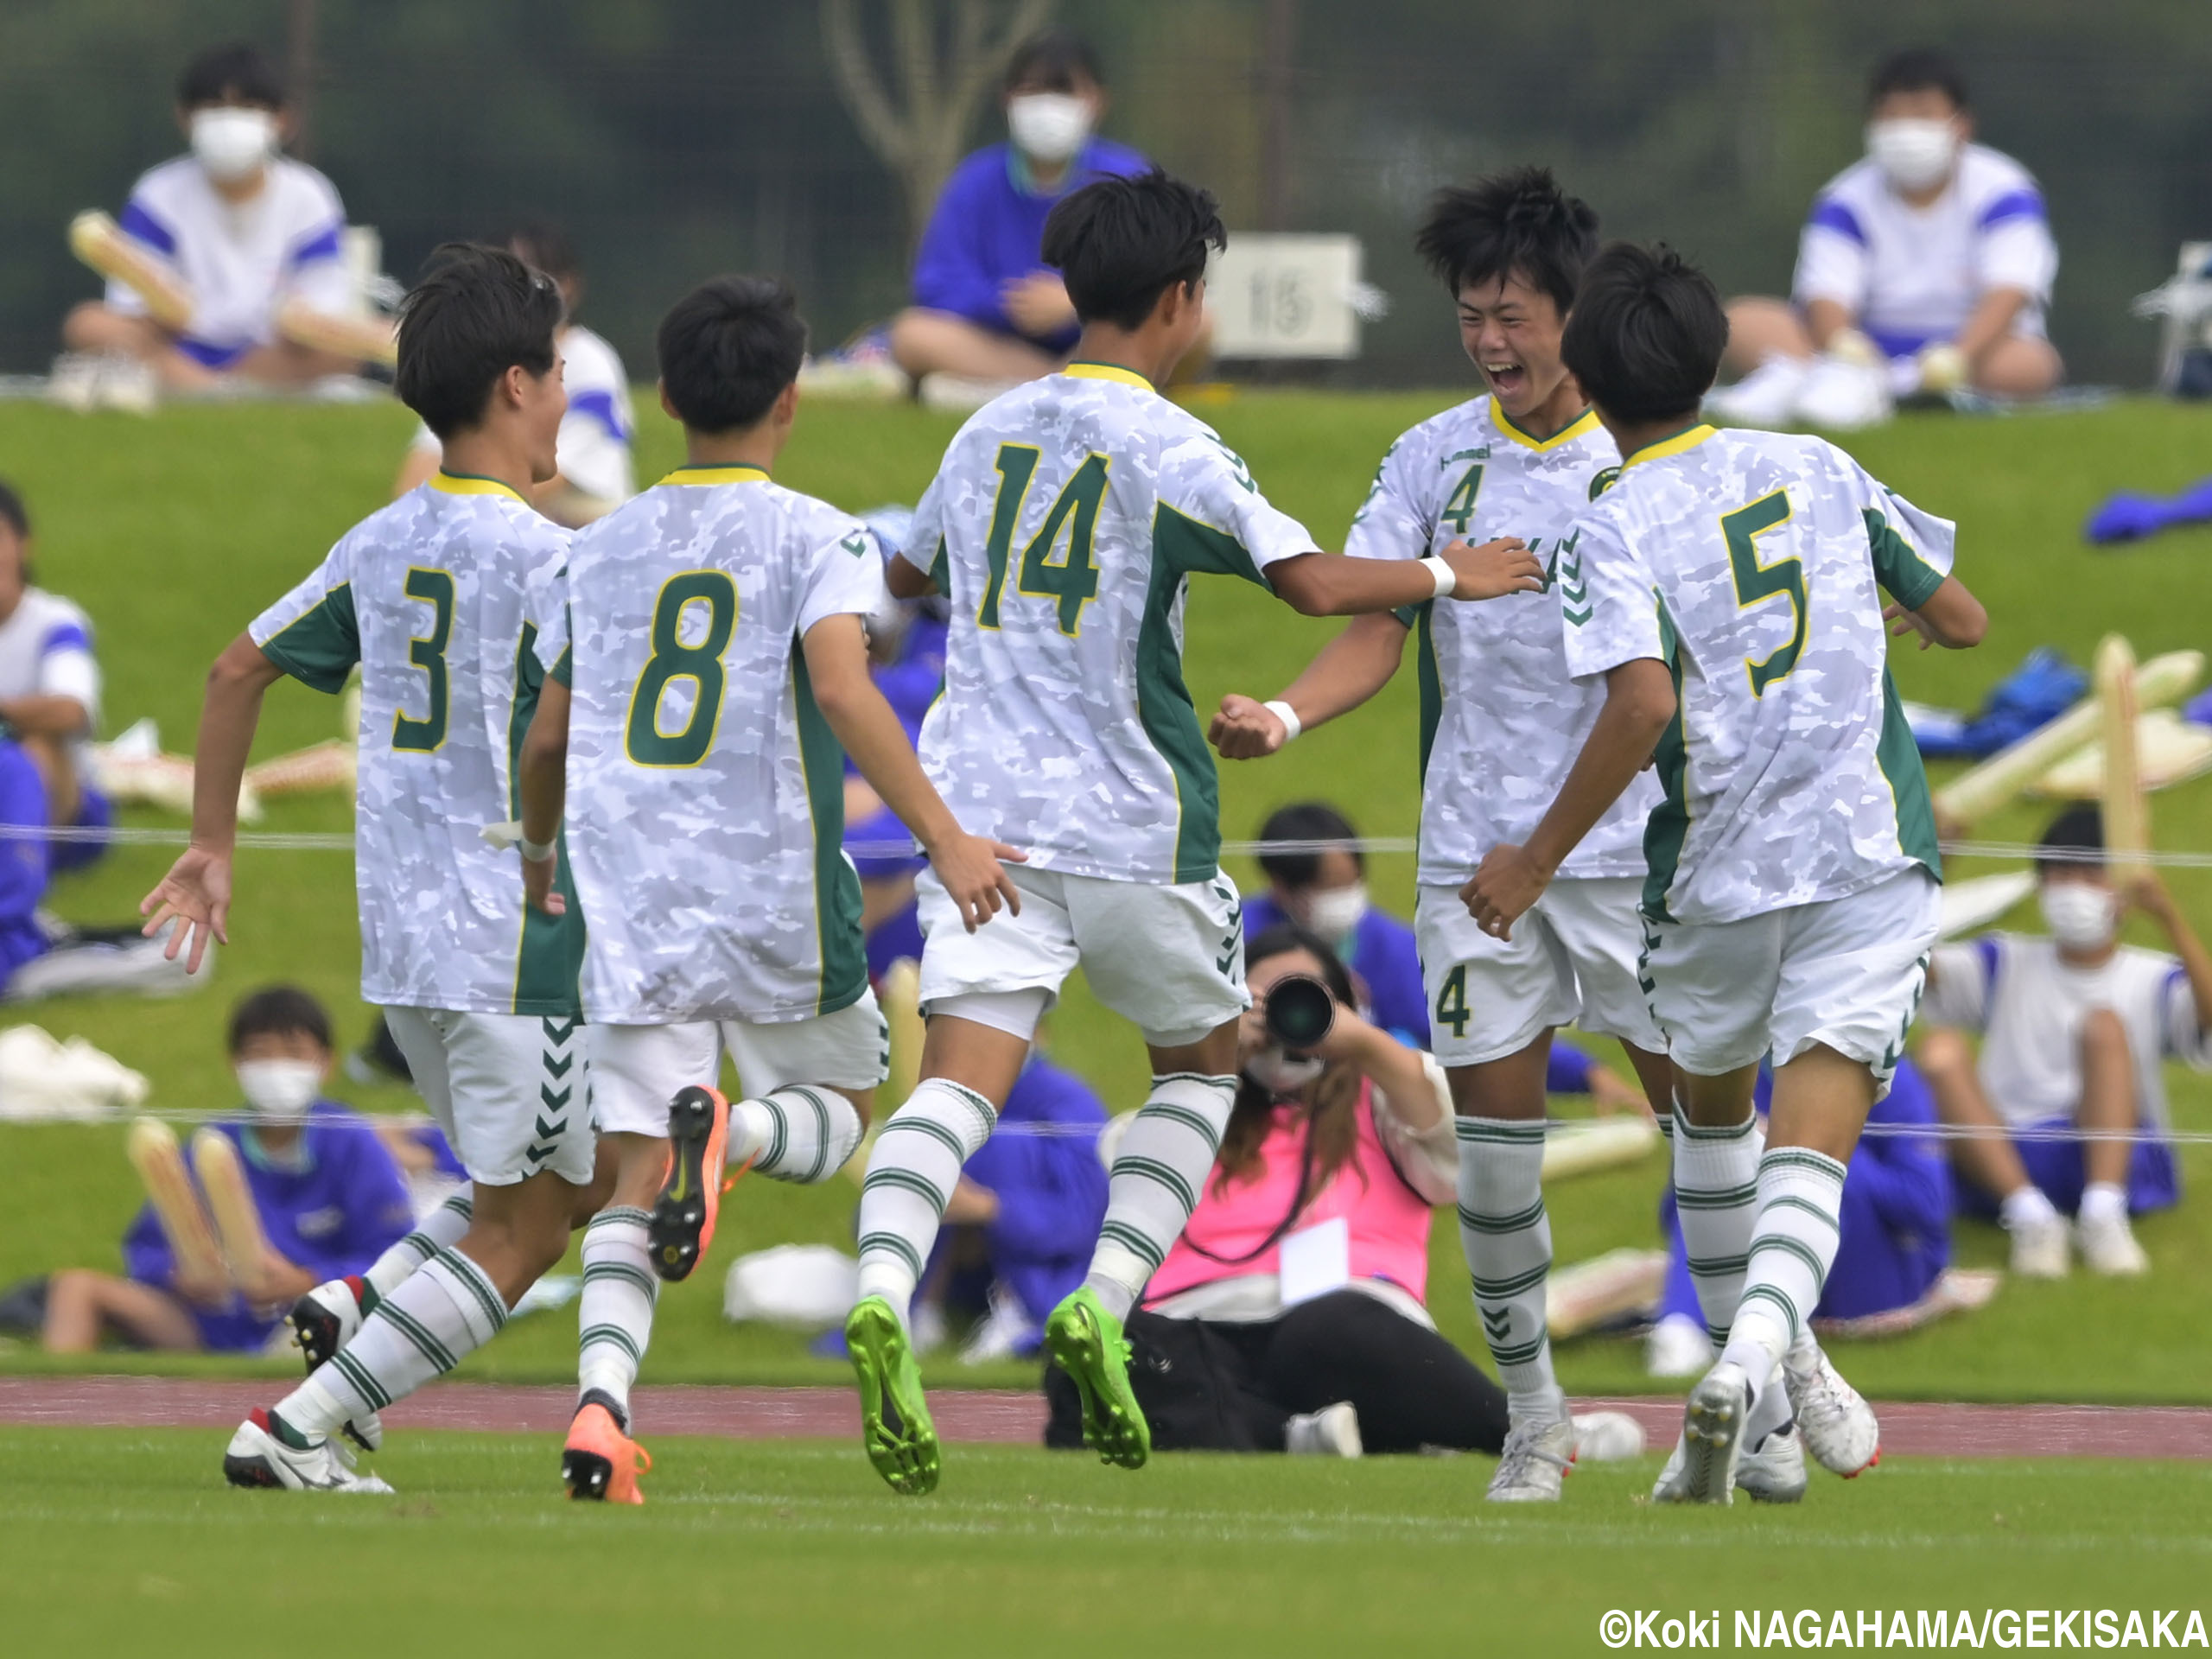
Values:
[(1285, 295)]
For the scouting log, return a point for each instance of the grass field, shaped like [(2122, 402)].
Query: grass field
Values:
[(175, 531), (114, 1542)]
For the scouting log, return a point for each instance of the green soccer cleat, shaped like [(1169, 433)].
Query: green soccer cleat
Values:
[(1087, 1341), (895, 1424)]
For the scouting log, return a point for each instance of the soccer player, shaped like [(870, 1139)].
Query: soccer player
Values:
[(1500, 722), (707, 661), (1732, 611), (1064, 525), (438, 597)]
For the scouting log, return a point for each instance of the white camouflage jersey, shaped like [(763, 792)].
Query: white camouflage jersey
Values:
[(1062, 526), (1748, 563), (439, 597), (1501, 722), (706, 791)]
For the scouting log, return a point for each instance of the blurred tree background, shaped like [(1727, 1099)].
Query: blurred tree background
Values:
[(677, 138)]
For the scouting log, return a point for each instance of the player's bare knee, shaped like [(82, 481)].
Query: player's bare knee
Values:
[(2103, 1037)]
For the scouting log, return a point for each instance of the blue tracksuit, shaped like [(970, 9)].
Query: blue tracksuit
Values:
[(23, 864)]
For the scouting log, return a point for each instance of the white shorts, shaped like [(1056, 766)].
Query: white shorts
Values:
[(636, 1070), (1168, 959), (511, 1091), (1846, 972), (1571, 961)]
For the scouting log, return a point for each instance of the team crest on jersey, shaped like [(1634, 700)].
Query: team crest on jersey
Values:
[(1604, 480)]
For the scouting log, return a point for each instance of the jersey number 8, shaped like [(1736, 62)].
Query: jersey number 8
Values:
[(1075, 579), (672, 660)]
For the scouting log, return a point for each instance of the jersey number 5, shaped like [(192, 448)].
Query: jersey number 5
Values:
[(1072, 580), (427, 652), (672, 660), (1756, 581)]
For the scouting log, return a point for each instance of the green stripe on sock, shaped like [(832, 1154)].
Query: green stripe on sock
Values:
[(487, 1296), (416, 1332), (1194, 1122), (896, 1245), (1135, 1242), (919, 1125), (1803, 1252), (613, 1335), (1163, 1175), (358, 1376), (1513, 1223), (918, 1185), (625, 1272), (1498, 1290)]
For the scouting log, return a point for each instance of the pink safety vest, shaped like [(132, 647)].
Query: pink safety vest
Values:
[(1386, 1220)]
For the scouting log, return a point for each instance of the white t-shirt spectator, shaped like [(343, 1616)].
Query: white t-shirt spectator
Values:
[(239, 259), (45, 650), (592, 447), (1912, 275), (2028, 1005)]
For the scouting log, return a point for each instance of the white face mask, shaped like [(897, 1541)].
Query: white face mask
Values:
[(279, 1089), (2081, 917), (1914, 153), (231, 144), (1332, 913), (1274, 1069), (1048, 127)]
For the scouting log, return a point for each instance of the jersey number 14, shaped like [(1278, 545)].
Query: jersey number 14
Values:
[(1072, 582)]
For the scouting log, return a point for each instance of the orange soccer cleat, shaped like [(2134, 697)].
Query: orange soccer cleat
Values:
[(599, 1461), (682, 1224)]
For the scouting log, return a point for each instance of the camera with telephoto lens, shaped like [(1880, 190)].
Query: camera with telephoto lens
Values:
[(1300, 1012)]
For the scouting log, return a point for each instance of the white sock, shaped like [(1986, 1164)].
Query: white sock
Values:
[(1507, 1236), (1716, 1197), (437, 1315), (440, 1229), (1159, 1172), (797, 1133), (2103, 1201), (614, 1315), (1793, 1245), (910, 1179), (2028, 1208)]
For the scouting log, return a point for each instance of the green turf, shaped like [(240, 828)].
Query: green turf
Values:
[(124, 1541), (175, 531)]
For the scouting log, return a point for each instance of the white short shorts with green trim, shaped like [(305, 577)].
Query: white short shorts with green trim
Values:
[(511, 1091)]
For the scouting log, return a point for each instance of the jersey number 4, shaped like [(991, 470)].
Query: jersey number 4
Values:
[(643, 740), (1072, 580), (1756, 581), (427, 652)]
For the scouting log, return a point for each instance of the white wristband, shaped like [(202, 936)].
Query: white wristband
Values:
[(537, 852), (1447, 578), (1288, 716)]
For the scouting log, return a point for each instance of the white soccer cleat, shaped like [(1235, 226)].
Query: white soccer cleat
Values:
[(1536, 1460), (1766, 397), (1773, 1472), (2039, 1248), (1713, 1440), (323, 1321), (259, 1455), (1840, 1427), (1607, 1437), (1843, 396), (1678, 1346), (73, 382), (1332, 1431), (2108, 1247)]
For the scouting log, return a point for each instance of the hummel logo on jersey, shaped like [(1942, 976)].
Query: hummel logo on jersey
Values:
[(1574, 587), (1445, 465), (855, 546)]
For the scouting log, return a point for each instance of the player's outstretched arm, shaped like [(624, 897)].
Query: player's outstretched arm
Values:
[(196, 893), (541, 777), (1952, 617), (969, 866), (1346, 672), (1639, 701), (1318, 584)]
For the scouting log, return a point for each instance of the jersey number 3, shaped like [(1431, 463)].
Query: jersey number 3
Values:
[(1756, 581), (427, 652), (1074, 580), (672, 660)]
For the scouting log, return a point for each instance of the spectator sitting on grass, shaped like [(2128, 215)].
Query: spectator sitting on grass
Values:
[(986, 310), (2075, 1029), (50, 688), (330, 1198)]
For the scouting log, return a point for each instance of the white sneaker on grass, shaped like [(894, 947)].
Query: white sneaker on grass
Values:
[(1843, 396), (1332, 1431), (1678, 1346), (1607, 1437), (1713, 1440), (1840, 1427), (2108, 1247), (260, 1455), (1773, 1472), (1766, 397), (1537, 1458), (2039, 1248)]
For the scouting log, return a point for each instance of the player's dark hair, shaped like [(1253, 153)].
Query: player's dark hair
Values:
[(542, 245), (477, 313), (1305, 821), (1646, 334), (1121, 243), (12, 513), (1518, 222), (1056, 60), (280, 1011), (1333, 1101), (1918, 69), (235, 69), (2074, 834), (727, 349)]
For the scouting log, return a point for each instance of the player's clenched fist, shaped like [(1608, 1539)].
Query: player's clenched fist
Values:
[(1495, 568), (1506, 884), (1245, 730), (975, 879)]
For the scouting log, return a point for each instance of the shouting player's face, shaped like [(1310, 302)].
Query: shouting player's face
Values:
[(1511, 333)]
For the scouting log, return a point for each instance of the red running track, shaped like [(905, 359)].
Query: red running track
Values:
[(1912, 1429)]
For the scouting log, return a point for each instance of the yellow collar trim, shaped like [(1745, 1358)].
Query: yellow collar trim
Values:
[(1109, 372), (471, 484), (1580, 427), (736, 474), (1689, 438)]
